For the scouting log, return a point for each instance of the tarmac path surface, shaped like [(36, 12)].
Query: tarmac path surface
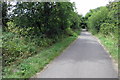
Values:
[(84, 58)]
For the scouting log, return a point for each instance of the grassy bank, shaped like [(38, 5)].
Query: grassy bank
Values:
[(34, 64), (110, 44)]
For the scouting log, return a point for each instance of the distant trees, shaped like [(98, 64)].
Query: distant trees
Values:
[(104, 20), (98, 17)]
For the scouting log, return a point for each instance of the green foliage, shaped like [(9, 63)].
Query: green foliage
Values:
[(12, 27), (70, 32), (32, 27), (36, 63), (4, 7), (97, 19), (110, 44), (109, 30), (37, 25), (0, 37), (49, 19), (104, 20), (15, 47), (4, 13)]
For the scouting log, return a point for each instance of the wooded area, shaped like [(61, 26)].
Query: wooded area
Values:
[(104, 20), (35, 24)]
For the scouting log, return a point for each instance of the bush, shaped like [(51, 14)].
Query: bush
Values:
[(15, 47), (109, 29), (96, 19), (70, 32), (23, 31)]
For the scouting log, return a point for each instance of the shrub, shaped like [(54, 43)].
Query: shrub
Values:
[(109, 29), (96, 19), (14, 47), (70, 32)]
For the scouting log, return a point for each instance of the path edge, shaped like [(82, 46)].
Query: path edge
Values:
[(114, 63), (35, 76)]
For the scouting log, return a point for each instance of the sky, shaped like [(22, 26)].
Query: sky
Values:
[(83, 6)]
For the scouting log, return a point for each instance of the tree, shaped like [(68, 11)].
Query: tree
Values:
[(48, 19), (4, 13), (96, 19)]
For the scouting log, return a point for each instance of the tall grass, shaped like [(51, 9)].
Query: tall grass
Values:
[(23, 56), (36, 63)]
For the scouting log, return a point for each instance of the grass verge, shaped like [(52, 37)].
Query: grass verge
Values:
[(110, 44), (34, 64)]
